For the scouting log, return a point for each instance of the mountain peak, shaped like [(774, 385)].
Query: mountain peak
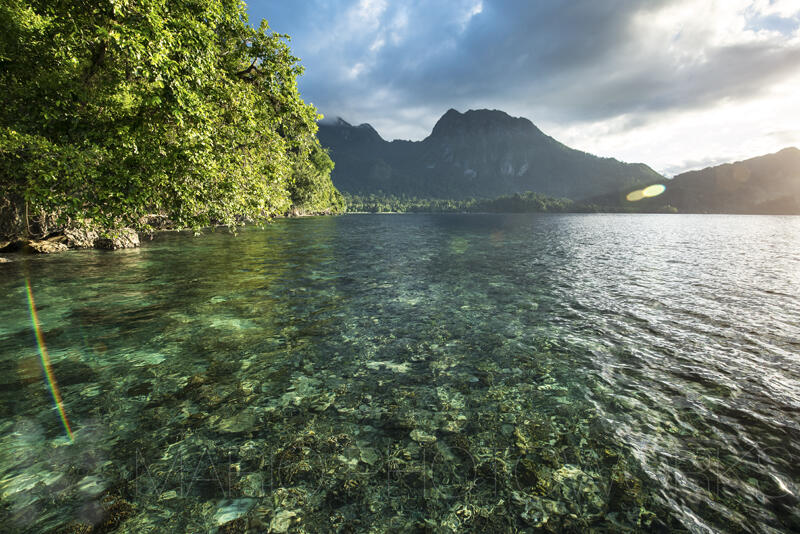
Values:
[(341, 123), (363, 133), (367, 126), (474, 120), (478, 153), (334, 121)]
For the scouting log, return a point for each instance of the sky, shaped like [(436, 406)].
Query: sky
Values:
[(676, 84)]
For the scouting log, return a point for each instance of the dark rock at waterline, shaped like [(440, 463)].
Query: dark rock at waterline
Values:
[(44, 246), (157, 222), (124, 238), (11, 246), (80, 238), (74, 238)]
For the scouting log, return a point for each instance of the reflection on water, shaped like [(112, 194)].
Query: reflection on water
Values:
[(440, 372)]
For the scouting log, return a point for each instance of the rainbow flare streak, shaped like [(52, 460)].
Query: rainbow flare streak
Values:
[(48, 369)]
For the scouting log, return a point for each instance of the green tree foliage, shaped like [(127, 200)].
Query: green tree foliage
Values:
[(313, 189), (114, 109)]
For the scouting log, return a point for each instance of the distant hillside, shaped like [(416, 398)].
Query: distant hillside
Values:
[(474, 154), (767, 184)]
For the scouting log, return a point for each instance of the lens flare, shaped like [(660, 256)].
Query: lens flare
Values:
[(648, 192), (653, 190), (635, 196), (48, 369)]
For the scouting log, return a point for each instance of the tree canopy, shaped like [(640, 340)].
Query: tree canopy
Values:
[(115, 109)]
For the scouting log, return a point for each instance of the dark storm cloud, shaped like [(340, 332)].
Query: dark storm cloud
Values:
[(399, 65)]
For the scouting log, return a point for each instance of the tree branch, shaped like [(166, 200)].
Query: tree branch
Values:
[(249, 70)]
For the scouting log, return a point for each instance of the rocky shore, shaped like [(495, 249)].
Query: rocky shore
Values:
[(80, 238), (73, 239), (43, 233)]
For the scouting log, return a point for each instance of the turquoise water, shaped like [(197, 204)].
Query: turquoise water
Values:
[(403, 373)]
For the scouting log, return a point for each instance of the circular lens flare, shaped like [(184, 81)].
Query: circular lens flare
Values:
[(648, 192), (653, 190), (635, 196)]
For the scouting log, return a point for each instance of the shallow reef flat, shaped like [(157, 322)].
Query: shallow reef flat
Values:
[(408, 374)]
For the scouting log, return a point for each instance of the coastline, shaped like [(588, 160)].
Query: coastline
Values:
[(66, 239)]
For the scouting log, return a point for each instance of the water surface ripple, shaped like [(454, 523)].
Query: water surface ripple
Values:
[(449, 373)]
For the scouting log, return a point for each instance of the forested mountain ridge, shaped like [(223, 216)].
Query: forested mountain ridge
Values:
[(765, 184), (768, 184), (481, 153)]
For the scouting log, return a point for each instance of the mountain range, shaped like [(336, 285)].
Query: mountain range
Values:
[(482, 153), (767, 184), (489, 154)]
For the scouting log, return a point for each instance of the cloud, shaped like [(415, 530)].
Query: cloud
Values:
[(617, 66)]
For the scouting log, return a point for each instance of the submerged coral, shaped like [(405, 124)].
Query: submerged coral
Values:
[(251, 386)]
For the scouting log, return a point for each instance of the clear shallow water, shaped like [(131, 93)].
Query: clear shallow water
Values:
[(403, 373)]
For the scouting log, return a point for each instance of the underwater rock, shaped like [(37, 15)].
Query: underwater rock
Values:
[(349, 463), (390, 365), (254, 485), (282, 521), (450, 399), (422, 437), (454, 425), (248, 387), (241, 422), (220, 368), (304, 393), (369, 455), (91, 486), (232, 510), (250, 451), (579, 489), (322, 402), (140, 389)]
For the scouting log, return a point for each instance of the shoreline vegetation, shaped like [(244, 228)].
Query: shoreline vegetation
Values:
[(527, 202), (65, 239), (123, 118)]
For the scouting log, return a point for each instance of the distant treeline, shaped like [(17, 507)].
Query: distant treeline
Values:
[(528, 202), (517, 203)]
